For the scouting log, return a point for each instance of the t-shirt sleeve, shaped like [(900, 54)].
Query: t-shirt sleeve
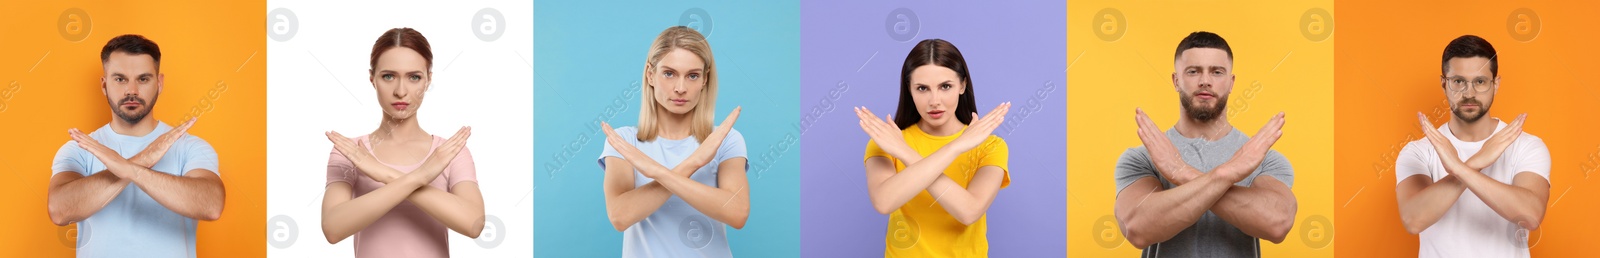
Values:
[(199, 155), (733, 147), (70, 158), (628, 133), (1532, 156), (461, 169), (1276, 166), (341, 169), (997, 153), (1132, 166), (874, 151), (1415, 159)]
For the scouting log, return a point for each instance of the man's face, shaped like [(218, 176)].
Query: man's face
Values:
[(132, 83), (1203, 78), (1461, 83)]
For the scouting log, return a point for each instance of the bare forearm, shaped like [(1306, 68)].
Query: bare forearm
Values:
[(1516, 204), (1162, 214), (723, 205), (1420, 210), (344, 218), (906, 184), (1260, 211), (191, 197), (463, 215), (75, 200), (634, 205), (966, 206)]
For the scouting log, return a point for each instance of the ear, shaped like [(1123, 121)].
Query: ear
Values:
[(649, 81), (161, 82), (1175, 82), (103, 87), (372, 78)]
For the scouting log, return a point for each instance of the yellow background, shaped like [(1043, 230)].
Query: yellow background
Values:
[(214, 58), (1110, 78)]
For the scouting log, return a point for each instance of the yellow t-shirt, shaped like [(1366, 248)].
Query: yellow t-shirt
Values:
[(921, 227)]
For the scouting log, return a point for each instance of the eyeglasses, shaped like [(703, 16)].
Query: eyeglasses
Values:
[(1460, 84)]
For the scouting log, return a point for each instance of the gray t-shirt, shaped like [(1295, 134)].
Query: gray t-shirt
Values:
[(1210, 236)]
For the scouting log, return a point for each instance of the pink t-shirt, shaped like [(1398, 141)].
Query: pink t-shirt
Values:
[(406, 231)]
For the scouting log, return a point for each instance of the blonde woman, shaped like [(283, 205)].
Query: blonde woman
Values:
[(673, 182)]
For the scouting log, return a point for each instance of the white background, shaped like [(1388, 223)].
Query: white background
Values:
[(317, 81)]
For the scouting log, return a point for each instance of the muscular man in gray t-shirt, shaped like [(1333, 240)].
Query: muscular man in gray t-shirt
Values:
[(1203, 188)]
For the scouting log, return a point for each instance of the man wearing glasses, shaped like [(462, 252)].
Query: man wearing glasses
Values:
[(1474, 187)]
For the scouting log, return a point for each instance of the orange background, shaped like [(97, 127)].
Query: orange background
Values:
[(214, 58), (1387, 70)]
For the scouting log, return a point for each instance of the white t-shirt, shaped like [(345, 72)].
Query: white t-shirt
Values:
[(1470, 228)]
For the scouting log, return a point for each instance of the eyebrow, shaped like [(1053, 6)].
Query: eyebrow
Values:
[(670, 68)]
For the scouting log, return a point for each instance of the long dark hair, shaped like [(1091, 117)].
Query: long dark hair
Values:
[(941, 53)]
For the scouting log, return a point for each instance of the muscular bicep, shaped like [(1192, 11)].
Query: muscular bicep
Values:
[(1134, 194)]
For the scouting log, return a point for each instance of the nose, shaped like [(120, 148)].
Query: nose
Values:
[(677, 86), (130, 91), (399, 91)]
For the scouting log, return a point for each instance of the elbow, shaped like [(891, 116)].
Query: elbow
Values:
[(1280, 227), (967, 218), (477, 228), (882, 206), (738, 218), (618, 223), (328, 233), (1131, 231), (211, 214), (58, 215), (1414, 227), (1532, 222), (1137, 239)]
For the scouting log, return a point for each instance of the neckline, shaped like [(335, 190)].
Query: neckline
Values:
[(431, 146), (918, 129)]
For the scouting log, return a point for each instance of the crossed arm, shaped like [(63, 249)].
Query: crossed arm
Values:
[(728, 202), (460, 208), (1424, 201), (1150, 214), (198, 194), (890, 189)]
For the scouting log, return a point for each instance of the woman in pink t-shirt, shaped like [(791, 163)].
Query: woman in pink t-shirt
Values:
[(398, 188)]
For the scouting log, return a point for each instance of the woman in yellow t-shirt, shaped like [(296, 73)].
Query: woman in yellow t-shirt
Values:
[(935, 176)]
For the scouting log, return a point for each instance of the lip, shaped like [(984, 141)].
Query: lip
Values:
[(1205, 95), (936, 114), (679, 102), (130, 104), (400, 105)]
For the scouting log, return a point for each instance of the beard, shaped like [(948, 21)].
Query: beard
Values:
[(133, 118), (1456, 109), (1202, 113)]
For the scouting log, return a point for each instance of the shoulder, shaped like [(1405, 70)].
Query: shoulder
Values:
[(629, 133), (1528, 141)]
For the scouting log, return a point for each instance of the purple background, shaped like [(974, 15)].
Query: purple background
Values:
[(1016, 52)]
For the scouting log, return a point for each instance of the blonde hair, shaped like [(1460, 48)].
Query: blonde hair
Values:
[(679, 37)]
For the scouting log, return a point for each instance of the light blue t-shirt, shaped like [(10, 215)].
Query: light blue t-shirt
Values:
[(133, 225), (677, 229)]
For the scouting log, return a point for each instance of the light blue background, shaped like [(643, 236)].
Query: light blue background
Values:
[(589, 57)]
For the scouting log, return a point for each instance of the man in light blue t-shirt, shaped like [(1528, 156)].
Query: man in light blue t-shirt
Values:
[(135, 186)]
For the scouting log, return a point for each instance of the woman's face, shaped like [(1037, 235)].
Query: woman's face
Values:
[(677, 80), (400, 78), (936, 91)]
